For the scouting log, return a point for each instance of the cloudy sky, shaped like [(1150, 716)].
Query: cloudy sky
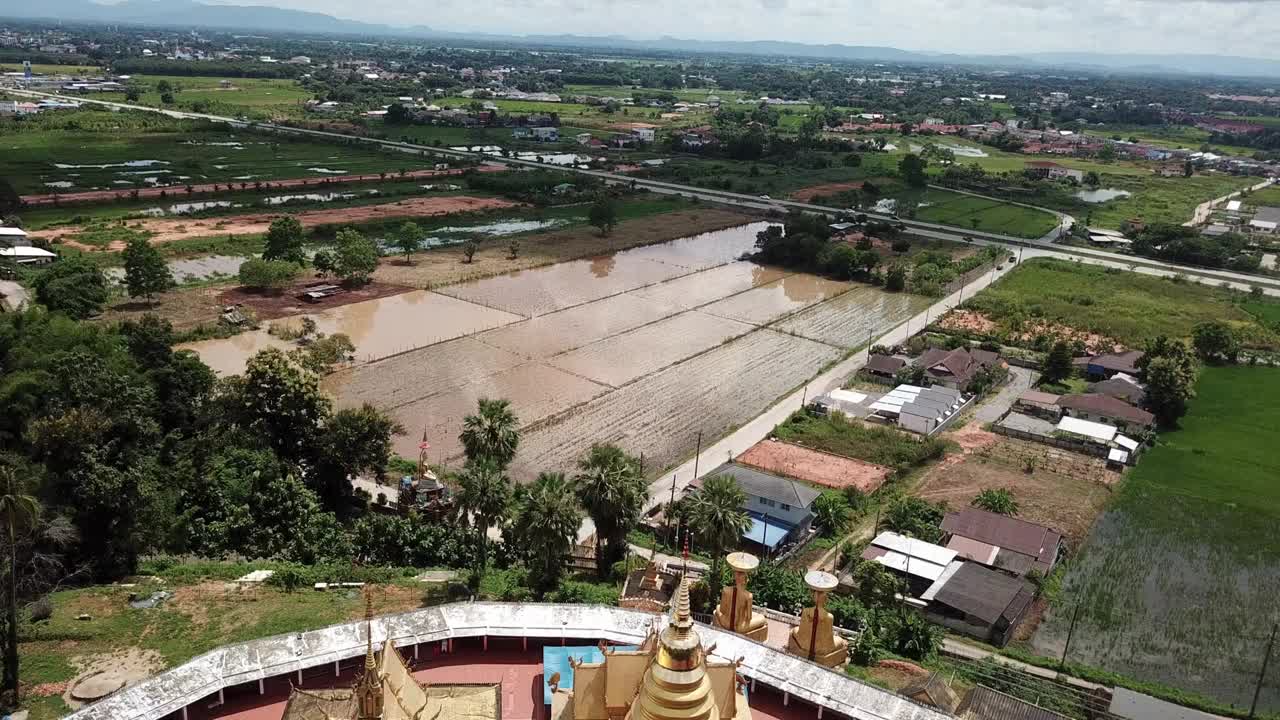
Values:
[(1235, 27)]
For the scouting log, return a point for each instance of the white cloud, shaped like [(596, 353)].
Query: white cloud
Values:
[(1237, 27)]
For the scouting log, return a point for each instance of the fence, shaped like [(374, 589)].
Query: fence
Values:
[(1063, 443)]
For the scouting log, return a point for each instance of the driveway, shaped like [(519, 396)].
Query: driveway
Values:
[(1020, 380)]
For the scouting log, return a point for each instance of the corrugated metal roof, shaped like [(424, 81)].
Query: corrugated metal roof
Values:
[(983, 703), (766, 485), (232, 665), (915, 548), (980, 592), (1087, 428), (1022, 543)]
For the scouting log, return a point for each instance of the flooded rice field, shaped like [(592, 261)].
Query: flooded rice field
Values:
[(845, 321), (771, 301), (378, 328), (192, 269), (644, 347), (626, 357)]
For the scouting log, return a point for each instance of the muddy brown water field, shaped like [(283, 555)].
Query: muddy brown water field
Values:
[(642, 347)]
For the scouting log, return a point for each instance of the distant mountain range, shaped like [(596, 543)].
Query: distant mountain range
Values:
[(259, 18)]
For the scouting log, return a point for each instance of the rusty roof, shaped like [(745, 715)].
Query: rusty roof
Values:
[(1006, 533), (1106, 406)]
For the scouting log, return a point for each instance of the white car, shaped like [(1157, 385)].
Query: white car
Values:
[(765, 197)]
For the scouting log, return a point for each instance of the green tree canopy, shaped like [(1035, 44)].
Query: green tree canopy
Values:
[(491, 432), (484, 497), (717, 516), (267, 274), (912, 169), (73, 286), (603, 214), (284, 241), (355, 257), (1057, 364), (409, 240), (145, 271), (1214, 341), (545, 527)]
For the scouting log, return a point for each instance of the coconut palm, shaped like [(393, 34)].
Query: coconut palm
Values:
[(484, 497), (718, 520), (546, 526), (492, 432), (611, 488)]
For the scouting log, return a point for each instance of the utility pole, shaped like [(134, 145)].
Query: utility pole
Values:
[(1262, 674), (696, 453), (1070, 631)]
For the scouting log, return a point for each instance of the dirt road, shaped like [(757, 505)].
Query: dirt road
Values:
[(168, 230)]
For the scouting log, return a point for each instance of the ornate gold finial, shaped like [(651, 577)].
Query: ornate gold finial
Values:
[(370, 665)]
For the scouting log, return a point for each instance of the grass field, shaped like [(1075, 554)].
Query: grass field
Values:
[(1126, 306), (855, 439), (256, 98), (588, 116), (990, 215), (1177, 580), (1172, 137), (39, 69), (30, 159), (1265, 196)]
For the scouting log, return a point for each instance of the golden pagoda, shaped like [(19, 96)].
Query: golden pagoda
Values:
[(387, 690), (668, 678), (735, 612), (816, 638)]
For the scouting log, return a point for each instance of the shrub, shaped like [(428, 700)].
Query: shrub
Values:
[(267, 274)]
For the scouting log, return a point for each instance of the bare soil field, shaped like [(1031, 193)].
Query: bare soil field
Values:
[(973, 321), (270, 306), (163, 231), (848, 320), (814, 466), (767, 303), (623, 358), (661, 414), (1064, 502), (808, 193)]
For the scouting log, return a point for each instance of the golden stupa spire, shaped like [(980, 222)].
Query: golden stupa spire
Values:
[(370, 664), (369, 701), (676, 685)]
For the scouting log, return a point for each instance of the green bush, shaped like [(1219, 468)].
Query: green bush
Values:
[(267, 274)]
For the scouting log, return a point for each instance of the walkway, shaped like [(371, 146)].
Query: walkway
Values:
[(1020, 380)]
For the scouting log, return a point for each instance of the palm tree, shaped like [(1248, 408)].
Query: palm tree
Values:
[(611, 488), (717, 518), (546, 526), (16, 509), (493, 432), (484, 496)]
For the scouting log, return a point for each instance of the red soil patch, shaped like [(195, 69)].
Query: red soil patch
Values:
[(909, 668), (814, 466), (813, 191), (269, 306), (976, 322), (179, 191), (163, 231)]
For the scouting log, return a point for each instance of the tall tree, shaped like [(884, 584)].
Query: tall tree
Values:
[(1057, 364), (1215, 342), (603, 214), (353, 441), (718, 520), (484, 496), (355, 256), (1170, 385), (911, 167), (491, 432), (283, 402), (409, 240), (610, 486), (145, 271), (73, 286), (284, 241), (831, 512), (546, 526)]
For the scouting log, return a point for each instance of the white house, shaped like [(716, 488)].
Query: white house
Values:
[(27, 255), (644, 134), (15, 237)]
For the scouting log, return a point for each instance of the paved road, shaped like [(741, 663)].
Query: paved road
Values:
[(924, 229), (1020, 380)]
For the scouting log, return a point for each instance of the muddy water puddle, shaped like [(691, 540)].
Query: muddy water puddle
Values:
[(378, 328), (847, 321), (622, 358), (767, 303)]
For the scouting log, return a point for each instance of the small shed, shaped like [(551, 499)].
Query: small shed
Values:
[(1092, 431), (934, 691), (884, 366), (978, 601)]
